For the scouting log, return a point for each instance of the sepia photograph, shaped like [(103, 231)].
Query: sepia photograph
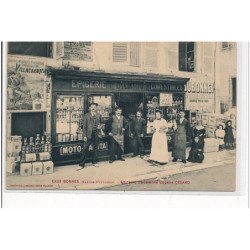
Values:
[(121, 116)]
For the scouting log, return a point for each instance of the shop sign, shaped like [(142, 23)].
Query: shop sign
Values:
[(121, 86), (199, 87), (200, 96), (76, 149), (26, 86)]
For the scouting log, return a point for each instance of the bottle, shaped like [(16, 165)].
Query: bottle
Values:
[(48, 145), (31, 145), (42, 144), (25, 148), (37, 143)]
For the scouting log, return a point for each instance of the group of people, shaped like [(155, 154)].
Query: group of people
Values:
[(117, 124), (92, 130)]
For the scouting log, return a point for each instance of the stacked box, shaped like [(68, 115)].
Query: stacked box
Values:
[(45, 156), (48, 167), (14, 144), (11, 165), (25, 169), (30, 157), (211, 145), (37, 168)]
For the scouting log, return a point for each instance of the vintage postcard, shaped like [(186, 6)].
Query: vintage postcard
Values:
[(133, 116)]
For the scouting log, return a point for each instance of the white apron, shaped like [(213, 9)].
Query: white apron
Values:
[(159, 148)]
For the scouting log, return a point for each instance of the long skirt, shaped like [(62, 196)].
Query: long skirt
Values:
[(159, 148), (179, 150)]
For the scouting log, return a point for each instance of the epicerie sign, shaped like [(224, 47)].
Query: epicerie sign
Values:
[(88, 84), (77, 149)]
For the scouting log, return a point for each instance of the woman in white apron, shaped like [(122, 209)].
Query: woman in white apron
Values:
[(159, 148)]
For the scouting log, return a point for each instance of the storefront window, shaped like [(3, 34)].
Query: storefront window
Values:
[(69, 117), (104, 102), (152, 103), (169, 104)]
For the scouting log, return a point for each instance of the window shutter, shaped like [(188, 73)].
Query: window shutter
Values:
[(120, 52), (208, 57), (59, 50), (134, 54), (151, 57), (172, 55)]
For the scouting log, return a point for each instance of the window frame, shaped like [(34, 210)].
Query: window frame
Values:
[(227, 47), (186, 57), (50, 50)]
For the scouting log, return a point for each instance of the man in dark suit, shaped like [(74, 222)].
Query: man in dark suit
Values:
[(182, 134), (115, 127), (138, 130), (91, 124)]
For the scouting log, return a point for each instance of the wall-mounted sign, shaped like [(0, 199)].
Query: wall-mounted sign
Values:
[(200, 96), (119, 86), (166, 99), (78, 51), (26, 86)]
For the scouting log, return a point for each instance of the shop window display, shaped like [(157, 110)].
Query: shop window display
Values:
[(169, 110), (69, 117), (104, 102)]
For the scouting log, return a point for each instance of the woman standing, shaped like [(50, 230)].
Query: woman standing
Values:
[(229, 137), (159, 148)]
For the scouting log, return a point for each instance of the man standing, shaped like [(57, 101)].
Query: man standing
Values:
[(138, 130), (91, 124), (115, 127), (182, 132)]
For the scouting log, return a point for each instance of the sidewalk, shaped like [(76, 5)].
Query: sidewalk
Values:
[(117, 173)]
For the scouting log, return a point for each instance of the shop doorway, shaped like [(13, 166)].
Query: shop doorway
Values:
[(129, 103)]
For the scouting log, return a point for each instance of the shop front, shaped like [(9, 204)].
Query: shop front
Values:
[(73, 91)]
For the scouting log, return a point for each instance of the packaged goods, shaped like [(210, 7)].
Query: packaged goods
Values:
[(37, 168), (30, 157), (25, 169), (48, 167), (44, 156)]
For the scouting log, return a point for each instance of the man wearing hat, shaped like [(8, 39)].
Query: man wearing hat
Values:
[(91, 124), (115, 127)]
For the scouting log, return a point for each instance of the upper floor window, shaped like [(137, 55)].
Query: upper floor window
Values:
[(186, 56), (42, 49), (225, 45), (127, 53)]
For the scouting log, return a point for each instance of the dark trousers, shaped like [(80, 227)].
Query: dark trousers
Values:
[(138, 145), (114, 149), (94, 141)]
